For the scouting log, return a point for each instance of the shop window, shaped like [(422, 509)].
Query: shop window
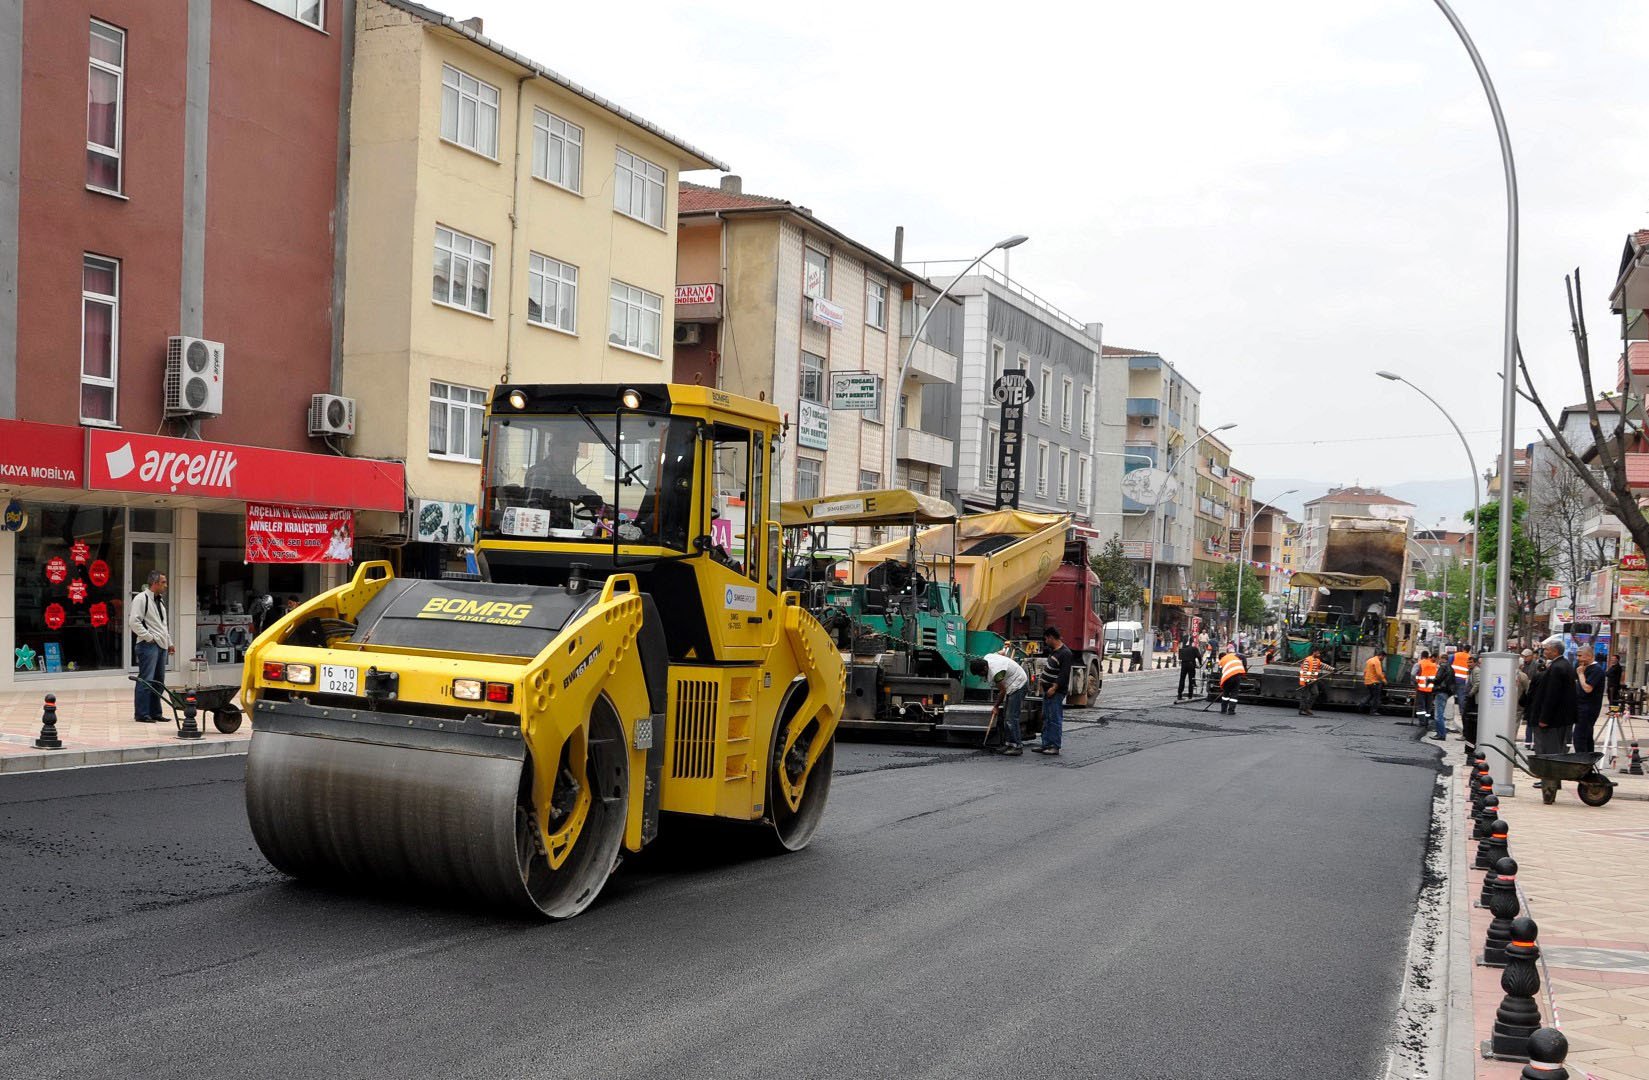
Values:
[(70, 590)]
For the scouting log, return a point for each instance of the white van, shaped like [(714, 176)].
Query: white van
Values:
[(1123, 638)]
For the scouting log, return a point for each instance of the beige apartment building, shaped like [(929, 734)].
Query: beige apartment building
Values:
[(503, 224), (773, 302)]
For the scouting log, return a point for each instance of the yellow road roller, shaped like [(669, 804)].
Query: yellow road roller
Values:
[(625, 654)]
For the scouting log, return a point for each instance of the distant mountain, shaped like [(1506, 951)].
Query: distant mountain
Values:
[(1448, 499)]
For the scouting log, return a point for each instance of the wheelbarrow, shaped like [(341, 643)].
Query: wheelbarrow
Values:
[(214, 701), (1591, 785)]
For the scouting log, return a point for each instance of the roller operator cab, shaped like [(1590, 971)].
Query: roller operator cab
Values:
[(627, 655)]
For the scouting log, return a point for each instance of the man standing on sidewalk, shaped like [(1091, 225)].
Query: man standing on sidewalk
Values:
[(1552, 709), (1462, 664), (1442, 692), (1425, 676), (1188, 658), (1008, 680), (1374, 681), (1589, 699), (146, 619), (1056, 675)]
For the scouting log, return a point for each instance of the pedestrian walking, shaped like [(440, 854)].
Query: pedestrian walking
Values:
[(1007, 678), (1552, 708), (1188, 658), (1232, 669), (1425, 680), (1374, 682), (1442, 692), (1615, 679), (1589, 679), (1056, 675), (1311, 669), (146, 620)]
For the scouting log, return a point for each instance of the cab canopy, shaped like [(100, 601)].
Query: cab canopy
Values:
[(867, 508), (1323, 579)]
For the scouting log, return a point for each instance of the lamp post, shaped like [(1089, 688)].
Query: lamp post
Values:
[(1242, 557), (1474, 606), (891, 412), (1146, 633)]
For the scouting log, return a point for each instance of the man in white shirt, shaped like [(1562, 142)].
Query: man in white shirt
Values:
[(1009, 682), (146, 620)]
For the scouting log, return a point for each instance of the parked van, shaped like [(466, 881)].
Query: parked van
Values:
[(1123, 638)]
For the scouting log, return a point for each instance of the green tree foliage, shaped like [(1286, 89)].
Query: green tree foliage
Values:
[(1253, 600), (1458, 581), (1118, 587), (1530, 566)]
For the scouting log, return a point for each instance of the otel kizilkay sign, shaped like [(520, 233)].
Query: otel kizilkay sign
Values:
[(1013, 391)]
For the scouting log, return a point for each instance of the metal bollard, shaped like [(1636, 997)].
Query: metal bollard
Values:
[(48, 739), (1485, 817), (1547, 1049), (1505, 905), (1636, 768), (1492, 848), (189, 729), (1519, 1014)]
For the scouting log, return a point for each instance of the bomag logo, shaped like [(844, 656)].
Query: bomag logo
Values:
[(494, 612)]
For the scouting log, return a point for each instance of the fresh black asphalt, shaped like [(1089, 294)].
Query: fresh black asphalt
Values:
[(1179, 895)]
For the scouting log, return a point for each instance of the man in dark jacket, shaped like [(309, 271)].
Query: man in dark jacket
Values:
[(1188, 657), (1552, 709), (1056, 678)]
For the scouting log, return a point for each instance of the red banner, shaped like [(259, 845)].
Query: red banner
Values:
[(298, 534), (151, 464), (41, 455)]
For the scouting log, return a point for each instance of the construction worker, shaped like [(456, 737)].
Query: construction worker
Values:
[(1311, 669), (1425, 677), (1374, 681), (1231, 668), (1462, 664)]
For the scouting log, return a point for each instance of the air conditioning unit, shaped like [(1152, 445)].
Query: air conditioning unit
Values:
[(330, 414), (688, 333), (1147, 421), (194, 377)]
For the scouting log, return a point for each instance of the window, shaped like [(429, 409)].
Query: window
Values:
[(869, 481), (469, 112), (99, 338), (455, 421), (999, 363), (463, 271), (1046, 393), (1083, 496), (876, 306), (1042, 468), (305, 11), (993, 447), (807, 478), (557, 150), (638, 189), (917, 484), (812, 385), (1087, 411), (1064, 476), (105, 105), (636, 318), (1065, 405), (92, 632), (816, 274), (552, 293)]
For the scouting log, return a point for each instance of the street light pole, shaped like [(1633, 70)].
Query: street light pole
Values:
[(1475, 632), (1147, 640), (891, 412), (1242, 557)]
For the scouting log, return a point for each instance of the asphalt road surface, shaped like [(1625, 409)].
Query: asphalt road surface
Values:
[(1179, 895)]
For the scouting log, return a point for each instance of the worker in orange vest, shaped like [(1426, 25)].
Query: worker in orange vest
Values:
[(1311, 669), (1425, 677), (1231, 668), (1462, 664), (1374, 681)]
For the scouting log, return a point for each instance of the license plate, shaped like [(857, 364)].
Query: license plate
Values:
[(338, 680)]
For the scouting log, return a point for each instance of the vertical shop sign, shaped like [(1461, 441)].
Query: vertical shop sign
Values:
[(1013, 391)]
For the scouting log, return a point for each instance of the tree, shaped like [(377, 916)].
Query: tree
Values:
[(1529, 564), (1559, 510), (1253, 600), (1456, 582), (1118, 587)]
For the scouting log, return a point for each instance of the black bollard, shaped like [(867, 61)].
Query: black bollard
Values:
[(1492, 848), (1547, 1049), (189, 729), (1636, 768), (1485, 817), (48, 739), (1504, 903), (1519, 1014)]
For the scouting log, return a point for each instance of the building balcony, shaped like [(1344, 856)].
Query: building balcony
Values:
[(1637, 472), (925, 448), (1139, 406), (929, 364), (1634, 368)]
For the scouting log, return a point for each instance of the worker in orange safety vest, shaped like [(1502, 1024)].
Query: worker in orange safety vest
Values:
[(1425, 677), (1374, 681), (1462, 664), (1231, 668), (1311, 669)]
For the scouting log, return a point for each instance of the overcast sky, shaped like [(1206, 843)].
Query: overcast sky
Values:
[(1280, 196)]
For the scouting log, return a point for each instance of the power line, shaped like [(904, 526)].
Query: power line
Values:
[(1367, 438)]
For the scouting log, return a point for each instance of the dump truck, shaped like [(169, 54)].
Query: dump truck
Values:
[(614, 667), (1071, 601), (1354, 609)]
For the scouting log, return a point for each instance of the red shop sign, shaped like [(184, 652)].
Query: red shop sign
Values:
[(98, 572), (55, 616), (57, 571), (79, 552), (99, 614), (41, 455), (152, 464), (298, 534)]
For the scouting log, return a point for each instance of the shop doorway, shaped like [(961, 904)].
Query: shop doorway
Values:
[(143, 554)]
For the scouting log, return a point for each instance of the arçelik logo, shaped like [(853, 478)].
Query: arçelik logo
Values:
[(120, 461), (213, 469)]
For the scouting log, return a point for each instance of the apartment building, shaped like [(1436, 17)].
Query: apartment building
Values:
[(505, 224), (774, 302), (178, 162), (1211, 515), (1271, 549)]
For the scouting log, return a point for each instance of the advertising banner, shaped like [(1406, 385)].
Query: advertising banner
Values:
[(41, 455), (444, 522), (827, 314), (298, 534), (855, 390), (1013, 391), (813, 431)]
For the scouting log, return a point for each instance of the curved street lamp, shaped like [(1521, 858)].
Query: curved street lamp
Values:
[(1474, 602), (1174, 460), (891, 414), (1242, 557)]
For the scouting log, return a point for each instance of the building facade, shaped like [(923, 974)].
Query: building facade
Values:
[(1212, 513), (1270, 549), (773, 302), (143, 158), (505, 225)]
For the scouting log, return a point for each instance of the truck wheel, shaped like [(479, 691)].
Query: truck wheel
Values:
[(1091, 683)]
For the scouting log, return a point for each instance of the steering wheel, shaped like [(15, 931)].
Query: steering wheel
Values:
[(587, 508)]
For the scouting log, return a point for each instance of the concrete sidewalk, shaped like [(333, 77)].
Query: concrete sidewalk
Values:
[(96, 728), (1582, 875)]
